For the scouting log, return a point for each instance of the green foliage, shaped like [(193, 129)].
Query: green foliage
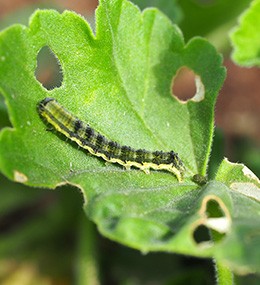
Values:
[(119, 81), (133, 64), (203, 17), (36, 224), (170, 8), (244, 193), (246, 39), (198, 17)]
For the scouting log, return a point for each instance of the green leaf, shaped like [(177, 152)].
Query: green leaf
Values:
[(242, 244), (119, 81), (245, 37), (239, 178), (191, 15), (204, 17), (125, 71)]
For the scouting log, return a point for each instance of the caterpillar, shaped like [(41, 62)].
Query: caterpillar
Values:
[(98, 145)]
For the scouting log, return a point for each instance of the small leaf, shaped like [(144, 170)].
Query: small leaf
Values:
[(229, 172), (245, 37)]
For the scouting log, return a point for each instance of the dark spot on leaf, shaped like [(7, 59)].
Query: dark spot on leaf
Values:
[(113, 222)]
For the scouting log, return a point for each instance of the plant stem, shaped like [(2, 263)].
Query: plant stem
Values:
[(224, 275), (87, 269)]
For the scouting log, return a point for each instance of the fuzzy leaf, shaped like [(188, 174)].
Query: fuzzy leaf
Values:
[(119, 81), (246, 37)]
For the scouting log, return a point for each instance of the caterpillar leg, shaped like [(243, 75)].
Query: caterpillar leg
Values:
[(146, 170), (127, 167)]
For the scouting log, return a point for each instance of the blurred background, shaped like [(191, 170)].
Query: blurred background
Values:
[(41, 230)]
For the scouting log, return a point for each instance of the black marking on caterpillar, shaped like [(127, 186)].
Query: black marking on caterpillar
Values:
[(95, 143)]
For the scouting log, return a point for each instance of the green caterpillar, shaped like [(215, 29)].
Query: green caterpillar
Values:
[(98, 145)]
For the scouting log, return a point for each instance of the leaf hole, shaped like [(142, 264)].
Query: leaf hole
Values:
[(187, 86), (5, 121), (48, 71), (217, 221), (214, 210), (215, 218), (201, 234)]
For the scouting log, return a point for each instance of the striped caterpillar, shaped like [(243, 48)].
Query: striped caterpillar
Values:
[(98, 145)]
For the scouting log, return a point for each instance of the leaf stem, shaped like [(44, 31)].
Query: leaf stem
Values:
[(87, 267), (224, 275)]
